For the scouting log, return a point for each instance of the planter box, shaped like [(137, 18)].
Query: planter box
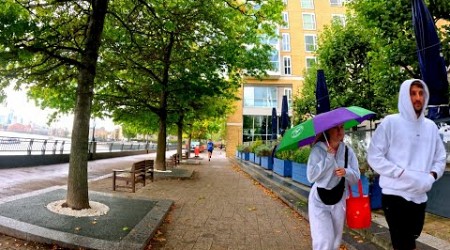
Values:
[(252, 157), (257, 160), (282, 167), (267, 162), (375, 193), (299, 173), (238, 154), (246, 156)]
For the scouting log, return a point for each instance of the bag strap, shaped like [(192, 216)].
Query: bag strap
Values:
[(359, 181), (346, 156), (360, 191)]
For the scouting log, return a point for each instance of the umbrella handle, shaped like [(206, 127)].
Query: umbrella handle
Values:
[(325, 136)]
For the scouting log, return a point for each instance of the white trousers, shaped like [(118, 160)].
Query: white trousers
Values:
[(326, 222)]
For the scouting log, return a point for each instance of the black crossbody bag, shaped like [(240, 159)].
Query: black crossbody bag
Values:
[(334, 195)]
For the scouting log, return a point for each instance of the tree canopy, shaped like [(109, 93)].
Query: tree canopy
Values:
[(366, 60)]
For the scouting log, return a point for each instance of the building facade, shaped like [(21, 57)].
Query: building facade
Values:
[(294, 54)]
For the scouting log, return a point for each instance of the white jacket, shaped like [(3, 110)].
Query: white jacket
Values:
[(404, 150), (321, 166)]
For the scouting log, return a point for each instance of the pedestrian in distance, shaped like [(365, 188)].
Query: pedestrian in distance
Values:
[(210, 148), (331, 166), (408, 153)]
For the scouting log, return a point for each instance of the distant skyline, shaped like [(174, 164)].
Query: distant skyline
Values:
[(17, 100)]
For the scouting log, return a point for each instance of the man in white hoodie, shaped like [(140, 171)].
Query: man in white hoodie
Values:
[(408, 153)]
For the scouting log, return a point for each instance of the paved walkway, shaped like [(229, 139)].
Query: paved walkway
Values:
[(221, 207)]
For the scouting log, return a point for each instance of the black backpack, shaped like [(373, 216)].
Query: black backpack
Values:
[(334, 195)]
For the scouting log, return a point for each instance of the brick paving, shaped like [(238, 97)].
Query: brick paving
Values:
[(221, 207)]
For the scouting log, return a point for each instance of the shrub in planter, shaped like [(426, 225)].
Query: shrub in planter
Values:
[(282, 164), (240, 149), (300, 159), (246, 153), (253, 147), (264, 152)]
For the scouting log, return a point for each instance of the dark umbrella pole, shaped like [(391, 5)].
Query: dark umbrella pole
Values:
[(431, 62)]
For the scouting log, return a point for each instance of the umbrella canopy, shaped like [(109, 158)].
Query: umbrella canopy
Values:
[(284, 115), (274, 124), (322, 98), (431, 62), (305, 133)]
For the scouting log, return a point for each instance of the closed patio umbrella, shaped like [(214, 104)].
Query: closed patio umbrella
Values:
[(284, 115), (322, 98), (274, 124), (431, 62)]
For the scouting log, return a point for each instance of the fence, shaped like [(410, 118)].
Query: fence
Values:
[(34, 146)]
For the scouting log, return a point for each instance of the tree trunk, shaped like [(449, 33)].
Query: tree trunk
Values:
[(180, 136), (189, 144), (77, 185), (160, 162)]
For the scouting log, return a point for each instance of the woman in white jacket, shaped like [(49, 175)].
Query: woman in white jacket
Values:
[(326, 169), (408, 153)]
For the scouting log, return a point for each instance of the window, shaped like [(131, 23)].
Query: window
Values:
[(287, 65), (310, 61), (257, 127), (275, 54), (336, 2), (288, 92), (309, 21), (260, 96), (286, 42), (310, 43), (275, 61), (338, 18), (285, 20), (307, 4)]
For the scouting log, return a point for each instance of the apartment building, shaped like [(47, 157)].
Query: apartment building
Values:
[(294, 53)]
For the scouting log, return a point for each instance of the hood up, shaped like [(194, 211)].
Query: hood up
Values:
[(405, 107)]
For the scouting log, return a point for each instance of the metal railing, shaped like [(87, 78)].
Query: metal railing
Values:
[(34, 146)]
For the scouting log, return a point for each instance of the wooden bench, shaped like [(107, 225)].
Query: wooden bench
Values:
[(172, 161), (137, 174)]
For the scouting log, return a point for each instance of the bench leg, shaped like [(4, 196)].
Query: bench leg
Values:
[(114, 181)]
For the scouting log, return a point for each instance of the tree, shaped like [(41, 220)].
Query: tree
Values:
[(345, 56), (174, 51), (371, 56), (56, 44), (395, 56)]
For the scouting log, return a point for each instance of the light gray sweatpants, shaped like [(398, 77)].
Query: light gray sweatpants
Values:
[(326, 221)]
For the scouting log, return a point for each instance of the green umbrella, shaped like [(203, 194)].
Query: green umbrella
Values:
[(306, 132)]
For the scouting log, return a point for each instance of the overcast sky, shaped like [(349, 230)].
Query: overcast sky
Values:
[(26, 109)]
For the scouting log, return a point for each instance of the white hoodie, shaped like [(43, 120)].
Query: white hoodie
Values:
[(405, 149)]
